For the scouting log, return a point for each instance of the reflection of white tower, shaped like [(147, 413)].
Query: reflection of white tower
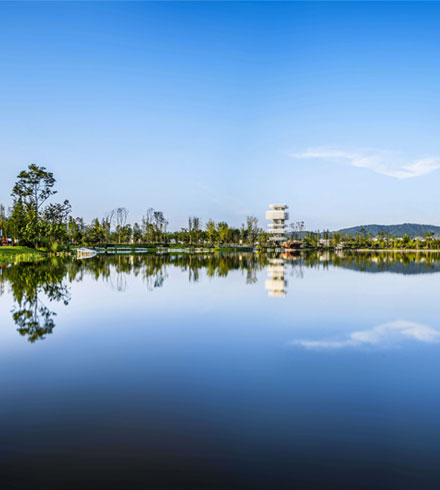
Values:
[(276, 284), (278, 216)]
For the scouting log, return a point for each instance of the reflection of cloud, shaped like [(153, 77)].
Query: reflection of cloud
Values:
[(379, 161), (392, 333)]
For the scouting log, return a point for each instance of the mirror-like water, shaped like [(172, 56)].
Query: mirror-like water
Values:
[(221, 371)]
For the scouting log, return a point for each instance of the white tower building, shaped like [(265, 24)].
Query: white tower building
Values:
[(278, 215)]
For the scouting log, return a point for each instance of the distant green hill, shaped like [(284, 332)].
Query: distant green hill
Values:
[(410, 229)]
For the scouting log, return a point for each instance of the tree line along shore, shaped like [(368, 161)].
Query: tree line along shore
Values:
[(35, 225)]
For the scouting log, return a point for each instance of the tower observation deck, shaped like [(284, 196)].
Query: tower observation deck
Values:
[(278, 215)]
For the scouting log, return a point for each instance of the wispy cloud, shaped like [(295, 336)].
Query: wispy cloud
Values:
[(379, 161), (387, 334)]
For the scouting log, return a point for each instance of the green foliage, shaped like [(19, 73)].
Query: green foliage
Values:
[(34, 186), (30, 223)]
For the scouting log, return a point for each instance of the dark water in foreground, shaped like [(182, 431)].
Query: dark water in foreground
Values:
[(239, 371)]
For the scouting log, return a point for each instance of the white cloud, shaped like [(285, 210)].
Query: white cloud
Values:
[(387, 334), (379, 161)]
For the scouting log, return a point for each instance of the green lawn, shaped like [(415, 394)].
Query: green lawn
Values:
[(19, 254)]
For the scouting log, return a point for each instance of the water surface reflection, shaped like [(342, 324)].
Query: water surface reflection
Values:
[(35, 286), (181, 371)]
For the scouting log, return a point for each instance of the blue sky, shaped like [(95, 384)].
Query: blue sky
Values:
[(217, 109)]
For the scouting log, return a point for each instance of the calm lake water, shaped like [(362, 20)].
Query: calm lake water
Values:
[(221, 371)]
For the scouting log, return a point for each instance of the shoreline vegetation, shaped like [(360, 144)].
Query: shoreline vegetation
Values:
[(40, 228)]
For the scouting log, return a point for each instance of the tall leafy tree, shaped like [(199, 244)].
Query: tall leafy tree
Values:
[(18, 219), (34, 187), (211, 230), (121, 220), (251, 229), (32, 221)]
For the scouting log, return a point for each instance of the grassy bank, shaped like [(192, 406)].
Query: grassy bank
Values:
[(19, 254)]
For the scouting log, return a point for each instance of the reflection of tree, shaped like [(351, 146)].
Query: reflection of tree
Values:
[(34, 320), (391, 261), (153, 267), (251, 275), (33, 285), (28, 283)]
